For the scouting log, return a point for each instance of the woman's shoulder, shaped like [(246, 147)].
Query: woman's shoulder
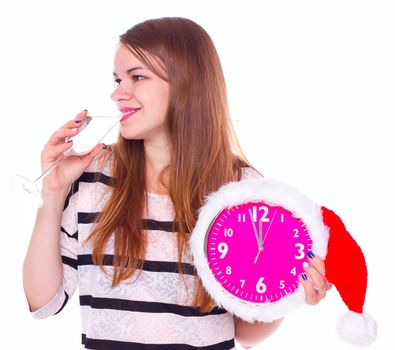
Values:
[(249, 172), (93, 186)]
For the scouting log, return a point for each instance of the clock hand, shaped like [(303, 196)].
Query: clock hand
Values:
[(259, 252), (253, 226), (268, 229)]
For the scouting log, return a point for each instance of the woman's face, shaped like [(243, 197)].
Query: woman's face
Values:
[(142, 95)]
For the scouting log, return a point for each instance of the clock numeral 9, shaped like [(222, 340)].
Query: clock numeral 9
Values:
[(228, 232), (223, 249), (260, 286), (300, 247)]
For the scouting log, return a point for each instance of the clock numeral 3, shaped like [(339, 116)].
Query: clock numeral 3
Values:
[(300, 247), (260, 286)]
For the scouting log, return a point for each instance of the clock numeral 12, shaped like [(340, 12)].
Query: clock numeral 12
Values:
[(264, 217)]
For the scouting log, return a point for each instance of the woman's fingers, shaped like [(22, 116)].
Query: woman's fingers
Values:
[(53, 152), (69, 129), (315, 284), (311, 294), (319, 265), (60, 136)]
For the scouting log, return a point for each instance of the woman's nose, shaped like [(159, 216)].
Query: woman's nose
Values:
[(122, 93)]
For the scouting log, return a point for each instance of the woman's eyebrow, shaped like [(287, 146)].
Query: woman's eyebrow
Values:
[(128, 71)]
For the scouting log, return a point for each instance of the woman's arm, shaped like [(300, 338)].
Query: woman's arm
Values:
[(250, 334), (43, 268)]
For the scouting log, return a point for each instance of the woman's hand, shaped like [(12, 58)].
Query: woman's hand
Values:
[(315, 285), (70, 168)]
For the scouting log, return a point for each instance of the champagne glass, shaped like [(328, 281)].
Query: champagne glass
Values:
[(91, 132)]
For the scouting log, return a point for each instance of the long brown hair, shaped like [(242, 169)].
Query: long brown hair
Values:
[(205, 152)]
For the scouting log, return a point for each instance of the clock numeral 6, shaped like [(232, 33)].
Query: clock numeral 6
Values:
[(223, 249), (228, 232), (260, 286), (300, 247)]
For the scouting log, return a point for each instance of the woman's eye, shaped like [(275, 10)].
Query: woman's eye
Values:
[(138, 77), (117, 82)]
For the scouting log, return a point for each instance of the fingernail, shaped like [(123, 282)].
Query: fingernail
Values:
[(85, 110), (77, 121), (310, 255), (304, 276), (306, 265)]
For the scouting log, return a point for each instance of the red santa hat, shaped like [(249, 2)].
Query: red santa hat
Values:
[(345, 267)]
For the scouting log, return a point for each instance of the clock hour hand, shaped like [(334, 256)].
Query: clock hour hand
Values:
[(254, 227)]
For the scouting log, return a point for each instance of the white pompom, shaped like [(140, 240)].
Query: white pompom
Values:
[(357, 329)]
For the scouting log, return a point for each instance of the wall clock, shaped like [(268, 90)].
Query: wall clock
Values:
[(249, 245)]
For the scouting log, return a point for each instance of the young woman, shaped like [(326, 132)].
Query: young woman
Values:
[(116, 222)]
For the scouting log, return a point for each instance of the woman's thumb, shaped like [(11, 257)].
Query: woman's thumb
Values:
[(87, 158)]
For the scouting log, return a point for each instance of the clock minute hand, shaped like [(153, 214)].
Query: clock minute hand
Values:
[(268, 229), (254, 227), (260, 244)]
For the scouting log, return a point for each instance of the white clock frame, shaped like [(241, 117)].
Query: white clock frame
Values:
[(273, 192)]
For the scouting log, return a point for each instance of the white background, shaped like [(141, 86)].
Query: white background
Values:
[(311, 88)]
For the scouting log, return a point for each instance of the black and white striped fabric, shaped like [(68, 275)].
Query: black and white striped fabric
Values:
[(149, 311)]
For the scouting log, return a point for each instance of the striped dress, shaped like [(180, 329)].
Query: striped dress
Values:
[(148, 312)]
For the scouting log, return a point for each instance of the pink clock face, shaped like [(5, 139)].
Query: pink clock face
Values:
[(256, 251)]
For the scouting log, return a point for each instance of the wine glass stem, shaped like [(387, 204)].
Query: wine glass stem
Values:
[(46, 172)]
